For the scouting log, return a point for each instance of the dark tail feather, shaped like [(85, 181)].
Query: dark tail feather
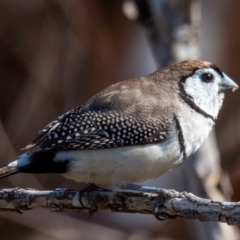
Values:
[(40, 162), (8, 171)]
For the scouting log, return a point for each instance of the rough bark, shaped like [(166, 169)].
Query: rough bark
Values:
[(166, 204)]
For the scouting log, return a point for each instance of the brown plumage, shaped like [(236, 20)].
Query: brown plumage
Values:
[(134, 101)]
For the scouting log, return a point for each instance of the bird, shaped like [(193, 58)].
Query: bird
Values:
[(133, 130)]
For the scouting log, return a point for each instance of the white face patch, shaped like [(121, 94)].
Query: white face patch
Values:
[(206, 95)]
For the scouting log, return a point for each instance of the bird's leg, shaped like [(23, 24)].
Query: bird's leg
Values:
[(140, 188)]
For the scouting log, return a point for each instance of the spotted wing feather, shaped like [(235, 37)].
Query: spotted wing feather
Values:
[(59, 119), (94, 130), (49, 128)]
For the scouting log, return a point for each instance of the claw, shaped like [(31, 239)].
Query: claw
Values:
[(91, 212), (158, 204)]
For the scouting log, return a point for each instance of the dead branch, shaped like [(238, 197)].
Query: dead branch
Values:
[(167, 204)]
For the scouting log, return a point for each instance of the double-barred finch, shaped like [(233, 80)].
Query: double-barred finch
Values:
[(133, 130)]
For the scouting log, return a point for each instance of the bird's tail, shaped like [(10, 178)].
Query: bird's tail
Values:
[(40, 162), (8, 171)]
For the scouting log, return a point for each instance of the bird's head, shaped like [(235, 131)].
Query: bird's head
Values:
[(204, 84)]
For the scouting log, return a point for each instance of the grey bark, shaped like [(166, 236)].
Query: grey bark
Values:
[(172, 203)]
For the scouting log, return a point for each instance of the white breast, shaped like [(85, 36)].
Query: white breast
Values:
[(137, 163), (195, 129)]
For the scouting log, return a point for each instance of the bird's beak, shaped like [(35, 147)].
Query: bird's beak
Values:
[(228, 84)]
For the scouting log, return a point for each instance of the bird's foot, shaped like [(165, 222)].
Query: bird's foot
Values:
[(157, 205), (93, 187), (162, 193)]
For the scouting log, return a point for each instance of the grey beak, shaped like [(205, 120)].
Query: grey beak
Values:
[(228, 84)]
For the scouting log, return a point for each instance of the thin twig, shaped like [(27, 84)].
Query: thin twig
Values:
[(173, 204)]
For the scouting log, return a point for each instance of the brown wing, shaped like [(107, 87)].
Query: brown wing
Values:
[(94, 130), (128, 113)]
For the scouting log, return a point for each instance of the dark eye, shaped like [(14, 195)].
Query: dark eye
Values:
[(207, 77)]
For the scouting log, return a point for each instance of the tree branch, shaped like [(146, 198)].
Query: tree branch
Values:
[(167, 204)]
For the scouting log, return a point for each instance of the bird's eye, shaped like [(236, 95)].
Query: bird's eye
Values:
[(207, 77)]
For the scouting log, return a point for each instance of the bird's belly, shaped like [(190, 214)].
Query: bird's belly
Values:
[(122, 165)]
